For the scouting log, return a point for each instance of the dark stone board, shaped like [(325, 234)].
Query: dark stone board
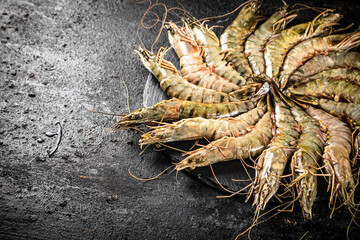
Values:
[(61, 59)]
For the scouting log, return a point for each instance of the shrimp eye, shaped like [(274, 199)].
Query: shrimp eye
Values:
[(170, 29)]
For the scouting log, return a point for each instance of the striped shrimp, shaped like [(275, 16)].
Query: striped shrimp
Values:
[(272, 161), (176, 86), (305, 160), (198, 128), (230, 148), (193, 68), (332, 60), (340, 90), (205, 37), (350, 110), (307, 49), (352, 75), (175, 109), (336, 155), (234, 36), (248, 91), (279, 45), (255, 43)]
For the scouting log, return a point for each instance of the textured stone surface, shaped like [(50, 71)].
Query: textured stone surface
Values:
[(61, 59)]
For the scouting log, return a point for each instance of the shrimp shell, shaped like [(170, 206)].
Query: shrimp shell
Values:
[(307, 49), (255, 43), (175, 109), (331, 88), (207, 39), (336, 154), (350, 110), (233, 38), (198, 128), (321, 63), (272, 161), (352, 75), (192, 66), (305, 160), (176, 86), (230, 148), (279, 45)]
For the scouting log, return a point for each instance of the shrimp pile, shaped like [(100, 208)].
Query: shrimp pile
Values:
[(285, 98)]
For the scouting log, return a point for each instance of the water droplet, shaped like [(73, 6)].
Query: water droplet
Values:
[(50, 134)]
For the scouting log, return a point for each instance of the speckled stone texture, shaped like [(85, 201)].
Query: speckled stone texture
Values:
[(61, 59)]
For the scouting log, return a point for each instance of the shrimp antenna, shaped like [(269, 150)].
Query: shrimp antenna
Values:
[(149, 179)]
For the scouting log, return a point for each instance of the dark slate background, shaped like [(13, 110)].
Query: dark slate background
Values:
[(61, 59)]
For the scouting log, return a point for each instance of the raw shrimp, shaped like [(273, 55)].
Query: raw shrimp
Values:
[(342, 90), (207, 39), (192, 66), (307, 49), (279, 45), (304, 163), (350, 110), (230, 148), (336, 155), (352, 75), (174, 109), (272, 161), (233, 38), (198, 128), (331, 60), (176, 86), (255, 43)]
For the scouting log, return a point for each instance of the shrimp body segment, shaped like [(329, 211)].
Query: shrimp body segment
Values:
[(352, 75), (350, 110)]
